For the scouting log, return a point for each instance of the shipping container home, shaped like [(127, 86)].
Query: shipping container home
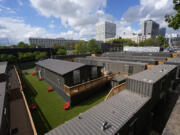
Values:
[(159, 54), (153, 82), (114, 66), (122, 114), (4, 110), (59, 73), (3, 71), (118, 80), (127, 112), (175, 61)]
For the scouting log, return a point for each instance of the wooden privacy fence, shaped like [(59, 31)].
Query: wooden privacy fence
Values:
[(70, 91), (26, 104), (115, 90)]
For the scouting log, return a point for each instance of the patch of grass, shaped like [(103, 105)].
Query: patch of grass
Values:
[(50, 113)]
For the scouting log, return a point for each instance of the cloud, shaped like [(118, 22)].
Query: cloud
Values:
[(16, 30), (149, 9), (51, 26), (79, 15), (20, 2), (6, 10)]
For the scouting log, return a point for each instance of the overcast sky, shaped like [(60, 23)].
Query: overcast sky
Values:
[(76, 19)]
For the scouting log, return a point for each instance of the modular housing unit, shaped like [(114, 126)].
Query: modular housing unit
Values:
[(3, 71), (122, 114), (4, 110), (159, 54), (114, 66), (59, 73), (153, 82), (117, 80), (175, 61)]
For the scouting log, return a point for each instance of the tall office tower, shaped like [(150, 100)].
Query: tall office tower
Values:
[(105, 30), (151, 28), (162, 31)]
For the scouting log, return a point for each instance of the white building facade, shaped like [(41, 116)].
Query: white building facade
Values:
[(47, 43), (105, 30)]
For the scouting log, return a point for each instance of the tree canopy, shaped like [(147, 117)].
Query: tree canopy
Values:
[(81, 47), (61, 51), (174, 20), (93, 46)]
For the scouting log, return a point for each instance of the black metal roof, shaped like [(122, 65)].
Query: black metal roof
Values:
[(59, 66), (2, 97), (3, 66), (116, 111)]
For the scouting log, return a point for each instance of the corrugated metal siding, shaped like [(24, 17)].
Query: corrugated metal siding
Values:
[(147, 82), (116, 111), (114, 66)]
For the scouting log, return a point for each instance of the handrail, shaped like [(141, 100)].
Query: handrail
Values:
[(115, 90), (87, 85), (26, 104)]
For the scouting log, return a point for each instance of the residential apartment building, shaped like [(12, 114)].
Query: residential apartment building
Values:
[(105, 30), (150, 27), (47, 42)]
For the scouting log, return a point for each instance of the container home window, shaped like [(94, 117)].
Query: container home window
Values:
[(130, 71), (39, 73), (94, 72), (76, 76)]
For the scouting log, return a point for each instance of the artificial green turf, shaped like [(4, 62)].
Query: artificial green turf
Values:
[(50, 113)]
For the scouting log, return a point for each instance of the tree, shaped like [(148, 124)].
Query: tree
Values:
[(93, 46), (11, 58), (41, 55), (61, 52), (161, 41), (81, 47), (22, 45), (174, 20)]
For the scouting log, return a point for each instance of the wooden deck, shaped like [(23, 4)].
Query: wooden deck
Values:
[(74, 90)]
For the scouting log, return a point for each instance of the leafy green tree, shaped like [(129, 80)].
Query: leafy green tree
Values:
[(56, 46), (174, 20), (61, 52), (93, 46), (22, 45), (161, 41), (41, 55), (11, 58), (81, 47), (3, 57)]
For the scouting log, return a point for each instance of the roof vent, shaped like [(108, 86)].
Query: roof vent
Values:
[(104, 126)]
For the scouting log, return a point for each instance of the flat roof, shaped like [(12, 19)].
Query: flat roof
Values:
[(3, 66), (2, 97), (59, 66), (116, 111), (154, 74), (175, 61)]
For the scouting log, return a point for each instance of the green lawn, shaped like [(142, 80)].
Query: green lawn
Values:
[(50, 113)]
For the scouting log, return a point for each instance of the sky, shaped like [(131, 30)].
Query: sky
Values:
[(76, 19)]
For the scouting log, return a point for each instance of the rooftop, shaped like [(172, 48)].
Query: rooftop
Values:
[(3, 66), (2, 96), (59, 66), (154, 74), (116, 112)]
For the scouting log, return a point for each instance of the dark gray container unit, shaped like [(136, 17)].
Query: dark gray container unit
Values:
[(4, 110), (59, 73), (175, 61), (3, 71), (118, 80), (159, 54), (148, 61), (122, 114), (153, 82), (115, 66)]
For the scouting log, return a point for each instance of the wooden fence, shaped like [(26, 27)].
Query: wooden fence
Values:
[(26, 104), (115, 90)]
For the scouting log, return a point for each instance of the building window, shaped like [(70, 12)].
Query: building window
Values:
[(76, 76)]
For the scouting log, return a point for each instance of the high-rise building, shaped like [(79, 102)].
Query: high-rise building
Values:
[(105, 30), (151, 28), (162, 31)]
